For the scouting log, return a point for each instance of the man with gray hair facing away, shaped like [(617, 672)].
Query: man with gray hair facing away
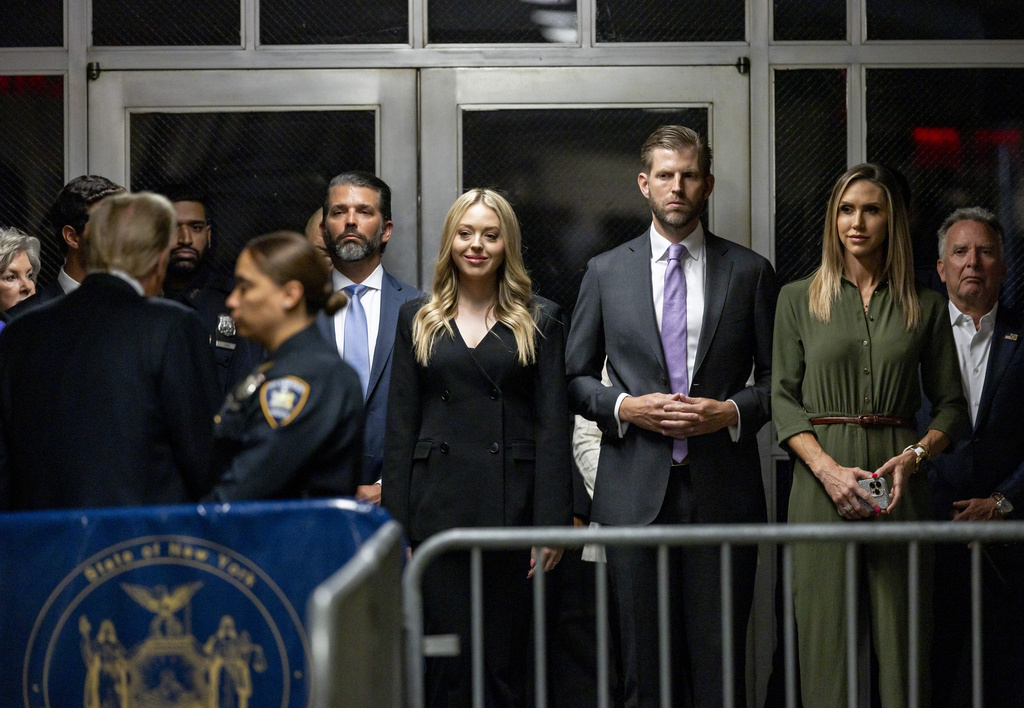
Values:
[(981, 478), (107, 395)]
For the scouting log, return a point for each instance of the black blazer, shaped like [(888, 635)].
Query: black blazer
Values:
[(476, 439), (106, 399), (393, 294), (991, 458), (615, 317)]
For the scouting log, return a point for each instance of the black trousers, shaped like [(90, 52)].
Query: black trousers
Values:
[(507, 620), (695, 612), (1002, 577)]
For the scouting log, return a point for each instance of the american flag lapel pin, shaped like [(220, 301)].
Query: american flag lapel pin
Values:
[(1012, 337)]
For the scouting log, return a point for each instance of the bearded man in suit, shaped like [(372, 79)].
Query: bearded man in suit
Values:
[(356, 229)]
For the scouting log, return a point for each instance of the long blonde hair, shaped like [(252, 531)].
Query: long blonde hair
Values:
[(514, 305), (899, 254)]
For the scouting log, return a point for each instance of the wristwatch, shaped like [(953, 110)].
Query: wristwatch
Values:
[(920, 452), (1003, 505)]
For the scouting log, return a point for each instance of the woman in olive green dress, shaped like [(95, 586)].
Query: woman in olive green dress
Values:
[(849, 342)]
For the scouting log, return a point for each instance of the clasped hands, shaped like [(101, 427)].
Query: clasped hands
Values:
[(677, 415)]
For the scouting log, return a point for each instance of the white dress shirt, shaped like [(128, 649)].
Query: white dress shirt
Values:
[(695, 271), (973, 345), (371, 306), (67, 283)]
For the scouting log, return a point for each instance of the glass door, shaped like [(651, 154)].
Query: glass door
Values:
[(564, 145), (261, 146)]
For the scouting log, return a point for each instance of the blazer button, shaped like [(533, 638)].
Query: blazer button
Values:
[(445, 395), (494, 394), (445, 448), (493, 448)]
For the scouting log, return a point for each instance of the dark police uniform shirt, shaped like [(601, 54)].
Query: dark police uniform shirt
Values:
[(207, 295), (293, 428)]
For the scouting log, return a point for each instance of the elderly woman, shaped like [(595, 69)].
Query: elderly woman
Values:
[(849, 342), (19, 266)]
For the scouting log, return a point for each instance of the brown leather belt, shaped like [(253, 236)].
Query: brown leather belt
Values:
[(866, 421)]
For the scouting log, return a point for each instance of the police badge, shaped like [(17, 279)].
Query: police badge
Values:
[(226, 325)]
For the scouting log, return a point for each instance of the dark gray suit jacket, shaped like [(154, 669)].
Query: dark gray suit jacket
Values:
[(615, 317), (393, 294)]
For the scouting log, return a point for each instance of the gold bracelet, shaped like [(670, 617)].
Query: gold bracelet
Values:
[(920, 454)]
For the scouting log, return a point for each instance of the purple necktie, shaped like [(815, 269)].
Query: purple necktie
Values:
[(673, 331)]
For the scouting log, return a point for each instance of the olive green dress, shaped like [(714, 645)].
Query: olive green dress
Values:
[(859, 363)]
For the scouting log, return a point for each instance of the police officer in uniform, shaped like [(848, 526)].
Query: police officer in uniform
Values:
[(294, 427), (193, 282)]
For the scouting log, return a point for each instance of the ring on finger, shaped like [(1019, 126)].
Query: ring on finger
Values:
[(848, 508)]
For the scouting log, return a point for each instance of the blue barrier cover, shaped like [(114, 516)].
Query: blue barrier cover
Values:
[(167, 606)]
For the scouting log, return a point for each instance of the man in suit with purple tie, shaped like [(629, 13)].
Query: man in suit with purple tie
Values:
[(682, 317), (356, 229)]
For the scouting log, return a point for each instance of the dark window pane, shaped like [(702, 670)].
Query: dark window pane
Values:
[(501, 21), (571, 175), (153, 23), (675, 21), (31, 23), (261, 172), (32, 159), (327, 22), (945, 19), (799, 20), (958, 136), (810, 154)]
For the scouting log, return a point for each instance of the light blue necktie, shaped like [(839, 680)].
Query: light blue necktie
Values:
[(673, 332), (357, 344)]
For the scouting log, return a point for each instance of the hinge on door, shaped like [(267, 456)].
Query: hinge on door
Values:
[(743, 65), (92, 70)]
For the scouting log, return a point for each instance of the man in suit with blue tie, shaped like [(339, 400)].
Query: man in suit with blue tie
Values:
[(683, 318), (982, 477), (356, 229)]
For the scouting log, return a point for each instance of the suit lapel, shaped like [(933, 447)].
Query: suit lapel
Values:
[(637, 271), (716, 286), (389, 306), (999, 359), (325, 323)]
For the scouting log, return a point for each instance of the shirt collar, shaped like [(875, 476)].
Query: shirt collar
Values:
[(956, 317), (136, 285), (67, 283), (694, 243), (374, 281)]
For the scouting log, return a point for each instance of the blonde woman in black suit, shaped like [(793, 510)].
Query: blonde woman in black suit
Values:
[(478, 435)]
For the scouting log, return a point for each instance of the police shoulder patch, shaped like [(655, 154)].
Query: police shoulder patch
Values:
[(283, 399)]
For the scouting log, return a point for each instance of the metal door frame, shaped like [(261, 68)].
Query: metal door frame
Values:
[(391, 93)]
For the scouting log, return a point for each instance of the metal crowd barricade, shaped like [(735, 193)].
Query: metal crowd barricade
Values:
[(725, 536), (355, 628)]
